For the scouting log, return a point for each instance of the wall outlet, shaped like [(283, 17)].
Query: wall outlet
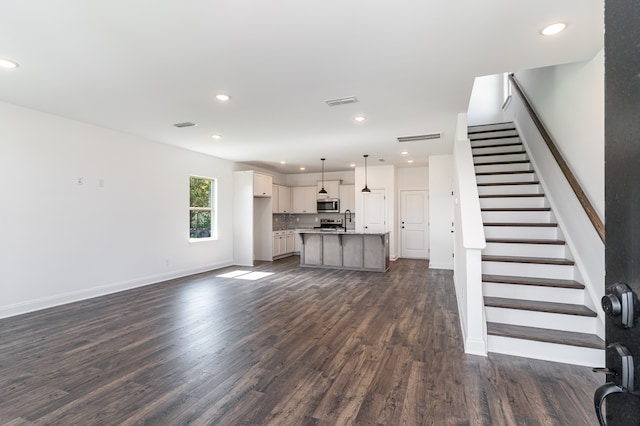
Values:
[(80, 180)]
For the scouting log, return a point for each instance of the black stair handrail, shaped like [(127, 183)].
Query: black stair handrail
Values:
[(568, 174)]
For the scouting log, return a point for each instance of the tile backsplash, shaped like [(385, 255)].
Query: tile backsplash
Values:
[(305, 221)]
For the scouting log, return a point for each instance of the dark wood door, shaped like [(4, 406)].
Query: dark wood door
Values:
[(622, 186)]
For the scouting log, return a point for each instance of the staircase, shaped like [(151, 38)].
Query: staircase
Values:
[(534, 300)]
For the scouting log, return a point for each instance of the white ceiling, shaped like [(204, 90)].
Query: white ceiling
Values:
[(140, 66)]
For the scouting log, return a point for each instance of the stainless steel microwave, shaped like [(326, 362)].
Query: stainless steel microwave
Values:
[(329, 205)]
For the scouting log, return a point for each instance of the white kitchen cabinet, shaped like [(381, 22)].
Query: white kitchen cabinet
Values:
[(262, 185), (284, 199), (279, 243), (290, 245), (304, 199), (281, 199), (347, 198), (283, 242), (331, 186), (275, 199)]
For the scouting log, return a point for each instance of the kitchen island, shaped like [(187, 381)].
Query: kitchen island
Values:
[(341, 249)]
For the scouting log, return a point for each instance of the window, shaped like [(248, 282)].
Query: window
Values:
[(202, 208)]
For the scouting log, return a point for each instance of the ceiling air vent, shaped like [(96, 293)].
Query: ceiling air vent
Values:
[(418, 138), (185, 124), (341, 101)]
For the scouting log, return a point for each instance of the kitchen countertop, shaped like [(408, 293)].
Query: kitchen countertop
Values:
[(337, 232)]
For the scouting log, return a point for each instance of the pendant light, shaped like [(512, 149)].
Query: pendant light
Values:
[(322, 191), (366, 188)]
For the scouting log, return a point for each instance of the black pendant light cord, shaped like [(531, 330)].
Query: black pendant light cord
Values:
[(322, 191), (366, 188)]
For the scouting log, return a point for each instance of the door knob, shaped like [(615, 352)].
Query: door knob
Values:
[(621, 304)]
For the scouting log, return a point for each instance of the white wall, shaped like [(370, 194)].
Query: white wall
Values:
[(126, 225), (441, 211), (570, 101), (487, 98), (585, 245), (413, 178), (310, 179)]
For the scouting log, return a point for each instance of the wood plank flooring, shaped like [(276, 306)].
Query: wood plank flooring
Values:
[(300, 347)]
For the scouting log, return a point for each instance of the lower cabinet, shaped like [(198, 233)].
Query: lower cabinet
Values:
[(283, 243)]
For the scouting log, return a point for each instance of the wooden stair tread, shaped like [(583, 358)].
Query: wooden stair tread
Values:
[(545, 335), (538, 224), (528, 182), (542, 282), (509, 195), (516, 209), (534, 305), (497, 163), (490, 154), (523, 259), (525, 241), (504, 172), (497, 145), (490, 138)]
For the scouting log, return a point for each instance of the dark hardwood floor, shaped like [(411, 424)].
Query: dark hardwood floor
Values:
[(299, 347)]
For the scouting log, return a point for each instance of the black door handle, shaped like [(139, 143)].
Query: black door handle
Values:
[(622, 374)]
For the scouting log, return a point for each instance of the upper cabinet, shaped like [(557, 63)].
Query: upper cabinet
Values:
[(331, 186), (281, 199), (262, 185), (347, 198), (304, 199)]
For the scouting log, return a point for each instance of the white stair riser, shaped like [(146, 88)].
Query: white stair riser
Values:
[(499, 158), (515, 177), (513, 269), (517, 216), (526, 232), (502, 167), (534, 292), (578, 324), (509, 189), (547, 351), (510, 202), (498, 133), (507, 147), (475, 144), (526, 250)]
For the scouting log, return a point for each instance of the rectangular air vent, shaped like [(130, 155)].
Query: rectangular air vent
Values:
[(418, 138), (341, 101), (185, 124)]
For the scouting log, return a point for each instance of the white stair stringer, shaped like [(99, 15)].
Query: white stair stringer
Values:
[(542, 308)]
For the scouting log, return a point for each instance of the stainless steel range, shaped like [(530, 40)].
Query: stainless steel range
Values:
[(330, 224)]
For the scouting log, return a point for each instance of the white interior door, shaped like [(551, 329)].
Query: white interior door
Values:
[(374, 211), (414, 229)]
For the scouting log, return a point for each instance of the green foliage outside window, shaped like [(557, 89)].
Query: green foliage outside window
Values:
[(201, 210)]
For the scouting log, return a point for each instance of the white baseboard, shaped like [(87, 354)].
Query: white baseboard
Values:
[(76, 296)]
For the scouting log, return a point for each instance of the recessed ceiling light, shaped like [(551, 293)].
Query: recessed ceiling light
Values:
[(223, 97), (360, 118), (352, 165), (404, 152), (409, 161), (216, 136), (301, 168), (283, 162), (553, 28), (8, 64)]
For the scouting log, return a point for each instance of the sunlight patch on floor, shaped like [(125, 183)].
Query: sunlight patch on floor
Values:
[(245, 275)]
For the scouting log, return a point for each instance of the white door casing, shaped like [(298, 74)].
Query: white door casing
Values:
[(414, 229)]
